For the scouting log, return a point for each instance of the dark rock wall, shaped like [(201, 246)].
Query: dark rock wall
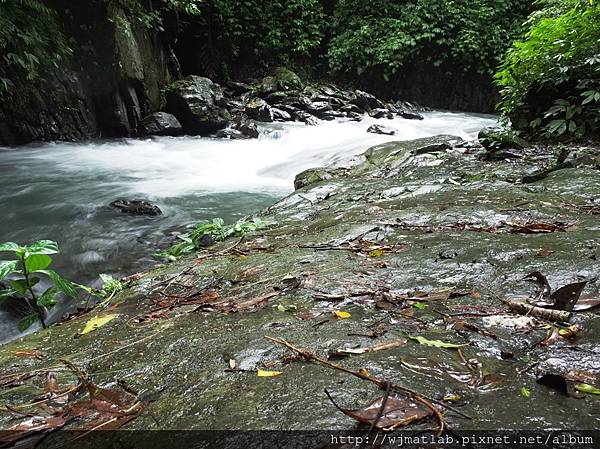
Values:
[(112, 80)]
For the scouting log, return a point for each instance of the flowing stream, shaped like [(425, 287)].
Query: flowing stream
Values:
[(61, 191)]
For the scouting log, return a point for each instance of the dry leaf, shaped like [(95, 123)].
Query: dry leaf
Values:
[(397, 412), (389, 345), (28, 353), (565, 297), (586, 302)]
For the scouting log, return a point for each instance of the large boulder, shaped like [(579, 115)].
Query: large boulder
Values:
[(247, 127), (259, 109), (366, 101), (198, 104), (318, 108), (410, 115), (381, 113), (161, 124), (286, 79), (281, 79), (279, 115)]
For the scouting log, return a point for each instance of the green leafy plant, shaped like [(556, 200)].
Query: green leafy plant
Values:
[(550, 80), (110, 288), (31, 42), (24, 270), (207, 233)]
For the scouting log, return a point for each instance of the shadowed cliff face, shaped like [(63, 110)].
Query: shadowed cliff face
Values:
[(411, 239), (112, 80)]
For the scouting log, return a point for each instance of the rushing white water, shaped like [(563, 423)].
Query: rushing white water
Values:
[(60, 190), (169, 167)]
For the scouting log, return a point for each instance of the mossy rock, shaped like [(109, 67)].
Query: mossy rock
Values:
[(287, 79)]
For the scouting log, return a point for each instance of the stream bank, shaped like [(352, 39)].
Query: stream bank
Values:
[(410, 239)]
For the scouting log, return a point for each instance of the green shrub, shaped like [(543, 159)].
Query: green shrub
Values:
[(31, 42), (29, 263), (551, 79)]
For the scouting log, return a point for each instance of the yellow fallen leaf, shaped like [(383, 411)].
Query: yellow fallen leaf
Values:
[(264, 373), (342, 315), (96, 322), (376, 253)]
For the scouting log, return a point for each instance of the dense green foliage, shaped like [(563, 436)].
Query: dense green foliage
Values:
[(31, 42), (352, 37), (152, 14), (468, 35), (551, 80), (257, 33), (24, 270)]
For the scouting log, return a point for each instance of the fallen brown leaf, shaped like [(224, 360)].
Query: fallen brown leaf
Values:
[(397, 412)]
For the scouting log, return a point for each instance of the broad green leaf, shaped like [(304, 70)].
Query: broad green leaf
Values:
[(26, 322), (42, 247), (265, 373), (7, 267), (10, 246), (35, 262), (587, 388), (436, 343), (63, 285), (96, 322), (21, 285), (48, 298)]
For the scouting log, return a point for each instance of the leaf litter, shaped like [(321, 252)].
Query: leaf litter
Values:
[(103, 408)]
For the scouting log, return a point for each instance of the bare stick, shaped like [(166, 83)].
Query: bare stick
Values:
[(220, 253), (539, 312), (382, 383)]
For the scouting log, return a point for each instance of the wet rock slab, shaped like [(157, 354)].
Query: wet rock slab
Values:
[(414, 239)]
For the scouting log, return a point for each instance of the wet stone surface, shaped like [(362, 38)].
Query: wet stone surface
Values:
[(418, 238)]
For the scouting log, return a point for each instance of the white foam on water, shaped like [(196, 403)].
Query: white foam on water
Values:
[(170, 167)]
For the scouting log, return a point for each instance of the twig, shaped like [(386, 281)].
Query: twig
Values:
[(379, 413), (32, 404), (528, 367), (169, 281), (220, 253), (382, 383)]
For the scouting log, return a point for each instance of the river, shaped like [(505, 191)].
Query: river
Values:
[(61, 191)]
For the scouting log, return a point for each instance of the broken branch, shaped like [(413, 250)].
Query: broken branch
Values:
[(427, 401), (539, 312)]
